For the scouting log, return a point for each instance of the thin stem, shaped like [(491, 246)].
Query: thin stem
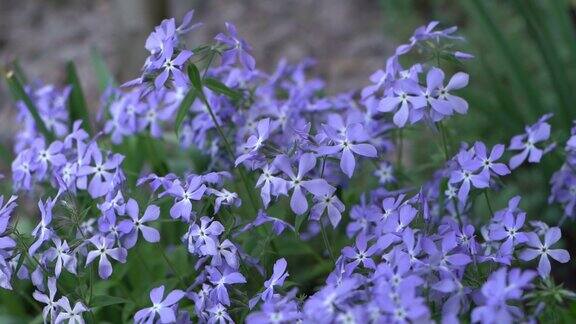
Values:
[(326, 242), (562, 220), (171, 266), (400, 148), (458, 217), (212, 55), (143, 263), (444, 140), (228, 147), (488, 203)]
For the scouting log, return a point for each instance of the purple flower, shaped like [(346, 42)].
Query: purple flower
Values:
[(172, 67), (160, 306), (397, 222), (347, 139), (501, 287), (360, 254), (270, 184), (225, 250), (205, 234), (104, 172), (5, 211), (448, 256), (397, 273), (385, 173), (318, 187), (135, 225), (465, 175), (278, 276), (278, 225), (61, 253), (220, 279), (509, 229), (22, 168), (279, 310), (219, 314), (192, 190), (440, 108), (69, 314), (224, 197), (404, 94), (104, 248), (458, 81), (255, 142), (329, 203), (238, 48), (537, 248), (46, 156), (42, 232), (49, 311), (489, 162), (536, 133)]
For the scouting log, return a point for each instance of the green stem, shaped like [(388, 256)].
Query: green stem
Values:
[(488, 203), (326, 242), (228, 147), (171, 266), (400, 148), (458, 217), (444, 140)]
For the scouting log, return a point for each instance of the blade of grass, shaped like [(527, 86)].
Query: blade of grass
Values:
[(538, 31), (103, 74), (77, 102), (184, 109), (221, 88), (19, 94), (561, 16), (477, 8), (17, 68)]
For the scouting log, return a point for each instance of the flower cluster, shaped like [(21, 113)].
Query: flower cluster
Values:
[(279, 159), (564, 180)]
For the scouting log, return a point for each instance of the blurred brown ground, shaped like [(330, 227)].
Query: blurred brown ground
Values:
[(346, 37)]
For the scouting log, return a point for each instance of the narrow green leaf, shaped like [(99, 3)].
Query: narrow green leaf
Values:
[(183, 109), (154, 155), (538, 31), (19, 71), (18, 92), (478, 9), (76, 102), (20, 263), (103, 74), (194, 76), (221, 88), (5, 154), (298, 223)]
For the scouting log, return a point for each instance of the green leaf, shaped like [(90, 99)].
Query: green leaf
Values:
[(103, 74), (298, 223), (183, 110), (18, 92), (76, 102), (104, 300), (5, 154), (154, 155), (479, 10), (195, 78), (221, 88), (19, 71)]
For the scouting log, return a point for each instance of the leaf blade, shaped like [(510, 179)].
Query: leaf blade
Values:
[(77, 102), (18, 93), (221, 88)]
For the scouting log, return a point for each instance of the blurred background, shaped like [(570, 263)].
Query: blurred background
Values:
[(524, 67)]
